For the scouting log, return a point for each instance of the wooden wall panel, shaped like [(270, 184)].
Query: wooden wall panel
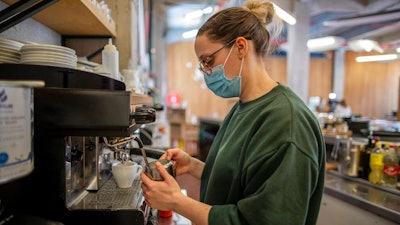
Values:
[(371, 89), (321, 76)]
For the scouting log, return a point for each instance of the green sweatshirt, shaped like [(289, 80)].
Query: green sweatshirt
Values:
[(266, 165)]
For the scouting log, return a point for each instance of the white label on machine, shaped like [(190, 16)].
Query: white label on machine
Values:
[(16, 120)]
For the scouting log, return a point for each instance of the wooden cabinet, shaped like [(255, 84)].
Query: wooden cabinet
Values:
[(183, 135), (191, 139), (75, 17), (177, 120)]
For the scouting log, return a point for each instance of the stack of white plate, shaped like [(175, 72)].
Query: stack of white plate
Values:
[(9, 50), (48, 55)]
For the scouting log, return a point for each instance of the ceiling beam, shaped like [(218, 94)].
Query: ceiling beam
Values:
[(367, 19), (384, 34)]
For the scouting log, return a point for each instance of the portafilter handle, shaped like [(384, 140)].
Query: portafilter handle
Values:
[(143, 115)]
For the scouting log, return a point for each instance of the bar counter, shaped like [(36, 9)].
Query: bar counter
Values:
[(376, 199)]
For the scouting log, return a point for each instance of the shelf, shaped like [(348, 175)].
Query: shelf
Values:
[(59, 77), (137, 99), (75, 17)]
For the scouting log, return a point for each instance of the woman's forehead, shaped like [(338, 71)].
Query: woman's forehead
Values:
[(204, 46)]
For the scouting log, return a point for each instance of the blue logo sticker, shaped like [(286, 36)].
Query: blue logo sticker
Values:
[(3, 157)]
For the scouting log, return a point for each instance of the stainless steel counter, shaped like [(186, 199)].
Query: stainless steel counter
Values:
[(359, 192)]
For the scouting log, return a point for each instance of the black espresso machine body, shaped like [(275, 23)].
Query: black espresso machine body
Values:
[(73, 113)]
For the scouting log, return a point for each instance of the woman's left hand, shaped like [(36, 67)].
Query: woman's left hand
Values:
[(160, 195)]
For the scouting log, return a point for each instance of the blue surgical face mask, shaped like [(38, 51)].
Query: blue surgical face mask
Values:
[(222, 86)]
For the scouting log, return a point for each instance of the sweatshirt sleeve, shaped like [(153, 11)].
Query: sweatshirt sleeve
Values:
[(277, 189)]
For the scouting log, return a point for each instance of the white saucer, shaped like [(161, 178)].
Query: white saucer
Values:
[(47, 48)]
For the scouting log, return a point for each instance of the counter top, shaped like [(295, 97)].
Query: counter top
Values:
[(359, 192)]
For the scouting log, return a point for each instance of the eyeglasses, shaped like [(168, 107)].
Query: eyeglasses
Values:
[(205, 65)]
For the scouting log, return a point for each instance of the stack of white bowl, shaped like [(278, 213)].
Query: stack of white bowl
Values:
[(9, 50), (48, 55)]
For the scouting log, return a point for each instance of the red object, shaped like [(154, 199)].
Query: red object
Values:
[(165, 213), (174, 99)]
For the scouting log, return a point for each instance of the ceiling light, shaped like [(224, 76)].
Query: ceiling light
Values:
[(319, 42), (190, 33), (284, 15), (194, 15), (325, 43), (368, 45), (208, 10), (364, 45), (373, 58), (198, 13)]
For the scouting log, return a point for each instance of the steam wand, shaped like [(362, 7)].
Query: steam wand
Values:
[(142, 150)]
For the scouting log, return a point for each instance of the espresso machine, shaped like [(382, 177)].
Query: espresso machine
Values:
[(83, 122)]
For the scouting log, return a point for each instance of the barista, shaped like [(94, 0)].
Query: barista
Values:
[(266, 164)]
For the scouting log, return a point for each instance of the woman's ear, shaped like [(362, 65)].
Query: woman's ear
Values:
[(242, 47)]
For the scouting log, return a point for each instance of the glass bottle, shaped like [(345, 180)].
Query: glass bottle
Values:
[(390, 167), (376, 164)]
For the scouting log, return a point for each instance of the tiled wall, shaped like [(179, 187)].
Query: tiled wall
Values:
[(31, 30)]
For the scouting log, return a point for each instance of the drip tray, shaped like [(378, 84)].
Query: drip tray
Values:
[(109, 205), (112, 198)]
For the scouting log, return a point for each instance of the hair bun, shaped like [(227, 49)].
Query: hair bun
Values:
[(263, 10)]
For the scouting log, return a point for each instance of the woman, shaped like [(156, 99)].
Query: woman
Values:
[(267, 162)]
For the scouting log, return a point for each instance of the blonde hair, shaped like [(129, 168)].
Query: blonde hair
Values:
[(264, 11), (254, 21)]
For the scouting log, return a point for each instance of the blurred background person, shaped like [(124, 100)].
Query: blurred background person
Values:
[(342, 109)]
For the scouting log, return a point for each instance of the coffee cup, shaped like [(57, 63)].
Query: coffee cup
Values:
[(125, 173), (152, 172)]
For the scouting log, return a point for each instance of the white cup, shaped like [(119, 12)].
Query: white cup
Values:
[(125, 173)]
